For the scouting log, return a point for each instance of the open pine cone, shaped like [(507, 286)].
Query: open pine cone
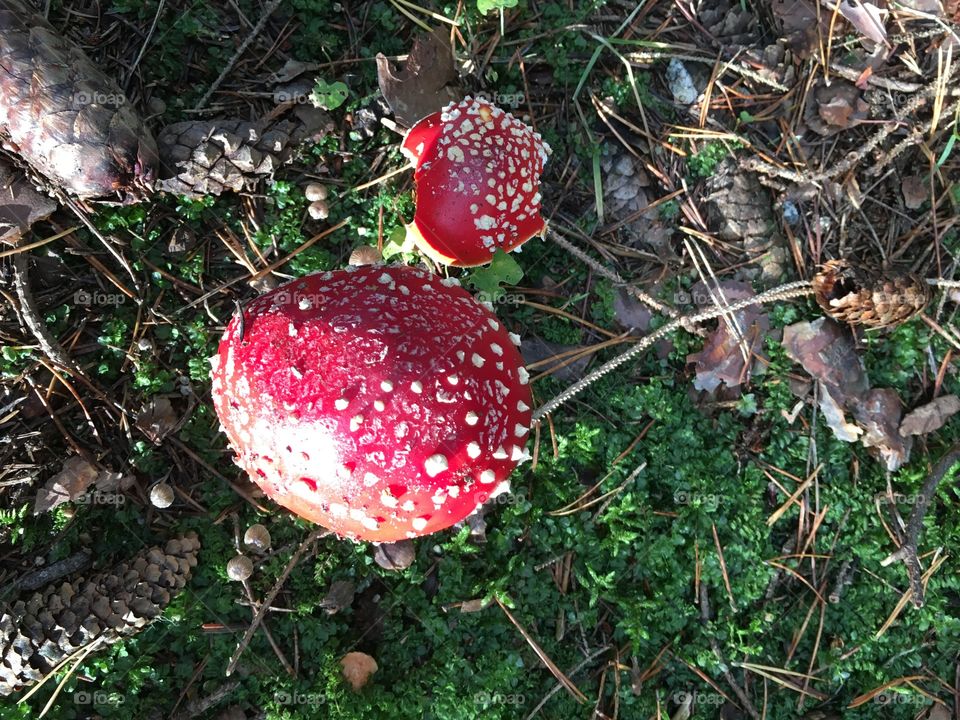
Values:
[(39, 632), (209, 157), (855, 295)]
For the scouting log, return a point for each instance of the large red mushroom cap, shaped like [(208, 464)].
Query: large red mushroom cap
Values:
[(381, 402), (477, 172)]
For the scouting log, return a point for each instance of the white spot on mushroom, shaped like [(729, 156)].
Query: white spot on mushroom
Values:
[(494, 325), (355, 422), (500, 454), (388, 500), (455, 154), (484, 222), (522, 406), (515, 339), (491, 199), (338, 510), (341, 403), (473, 451), (472, 418), (497, 350), (386, 385), (419, 524), (369, 523), (416, 386), (477, 360), (378, 405), (461, 355), (453, 379), (487, 477), (435, 464), (520, 430), (523, 375), (400, 430), (518, 454), (407, 505)]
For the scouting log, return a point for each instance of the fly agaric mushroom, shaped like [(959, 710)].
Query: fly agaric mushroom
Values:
[(477, 172), (379, 401)]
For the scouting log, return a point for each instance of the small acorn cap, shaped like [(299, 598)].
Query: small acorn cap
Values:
[(257, 538), (316, 191), (161, 495), (239, 568), (318, 210)]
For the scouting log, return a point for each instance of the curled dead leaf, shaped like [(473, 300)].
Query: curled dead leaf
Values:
[(74, 480), (878, 413), (425, 85), (930, 417), (726, 358), (157, 419)]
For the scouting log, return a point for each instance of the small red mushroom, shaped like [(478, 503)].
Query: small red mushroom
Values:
[(477, 171), (379, 401)]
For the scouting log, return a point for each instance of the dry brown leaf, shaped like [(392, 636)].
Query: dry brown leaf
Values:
[(878, 413), (157, 419), (70, 483), (867, 18), (424, 85), (834, 417), (825, 349), (930, 417), (535, 350), (357, 668), (21, 204), (721, 361), (631, 314), (914, 191)]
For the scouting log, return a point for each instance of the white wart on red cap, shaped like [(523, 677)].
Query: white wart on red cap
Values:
[(477, 172), (381, 402)]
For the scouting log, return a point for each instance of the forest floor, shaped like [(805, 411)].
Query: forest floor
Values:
[(701, 532)]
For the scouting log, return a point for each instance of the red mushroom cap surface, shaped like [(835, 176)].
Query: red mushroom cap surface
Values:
[(379, 401), (477, 171)]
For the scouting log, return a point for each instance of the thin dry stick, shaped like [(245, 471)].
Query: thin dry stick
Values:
[(610, 275), (33, 319), (257, 29), (715, 646), (551, 666), (272, 595), (908, 550), (784, 292)]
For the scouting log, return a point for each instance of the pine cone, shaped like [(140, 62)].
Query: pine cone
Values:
[(39, 632), (857, 296), (208, 157), (64, 116)]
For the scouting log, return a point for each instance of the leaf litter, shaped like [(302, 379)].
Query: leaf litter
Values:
[(851, 408)]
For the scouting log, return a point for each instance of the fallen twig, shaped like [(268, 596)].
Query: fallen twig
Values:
[(908, 549), (272, 595)]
